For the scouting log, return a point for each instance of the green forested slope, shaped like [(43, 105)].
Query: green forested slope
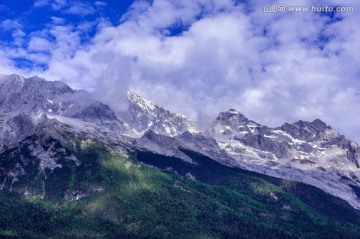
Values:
[(109, 195)]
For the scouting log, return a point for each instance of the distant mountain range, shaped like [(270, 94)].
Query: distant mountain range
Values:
[(46, 127)]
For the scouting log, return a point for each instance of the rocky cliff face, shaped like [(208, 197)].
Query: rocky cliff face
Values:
[(144, 115), (25, 103), (310, 152)]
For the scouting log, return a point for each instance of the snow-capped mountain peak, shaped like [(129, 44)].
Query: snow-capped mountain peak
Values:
[(144, 115), (310, 152), (141, 102), (232, 123)]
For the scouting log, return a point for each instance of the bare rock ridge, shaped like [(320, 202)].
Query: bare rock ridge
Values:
[(24, 103), (143, 115), (310, 152)]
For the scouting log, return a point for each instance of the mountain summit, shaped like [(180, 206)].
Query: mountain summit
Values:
[(144, 115)]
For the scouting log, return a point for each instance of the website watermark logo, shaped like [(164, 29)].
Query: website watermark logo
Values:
[(278, 8)]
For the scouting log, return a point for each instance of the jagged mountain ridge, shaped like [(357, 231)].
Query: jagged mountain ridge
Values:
[(310, 152), (24, 103), (143, 115)]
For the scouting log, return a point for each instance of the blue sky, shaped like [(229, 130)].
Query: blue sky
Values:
[(195, 57), (22, 19)]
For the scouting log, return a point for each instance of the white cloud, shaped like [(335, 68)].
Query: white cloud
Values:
[(100, 4), (272, 67), (39, 44), (58, 4), (54, 4), (41, 3), (113, 77), (9, 25), (81, 9), (16, 29), (58, 20)]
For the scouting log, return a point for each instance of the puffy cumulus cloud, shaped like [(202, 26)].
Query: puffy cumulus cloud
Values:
[(58, 20), (9, 24), (204, 56), (163, 14), (69, 7), (39, 44), (41, 3), (54, 4), (100, 4), (6, 65), (15, 28), (80, 9), (113, 77), (274, 68)]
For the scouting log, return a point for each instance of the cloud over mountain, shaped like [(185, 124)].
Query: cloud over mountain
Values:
[(204, 56)]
